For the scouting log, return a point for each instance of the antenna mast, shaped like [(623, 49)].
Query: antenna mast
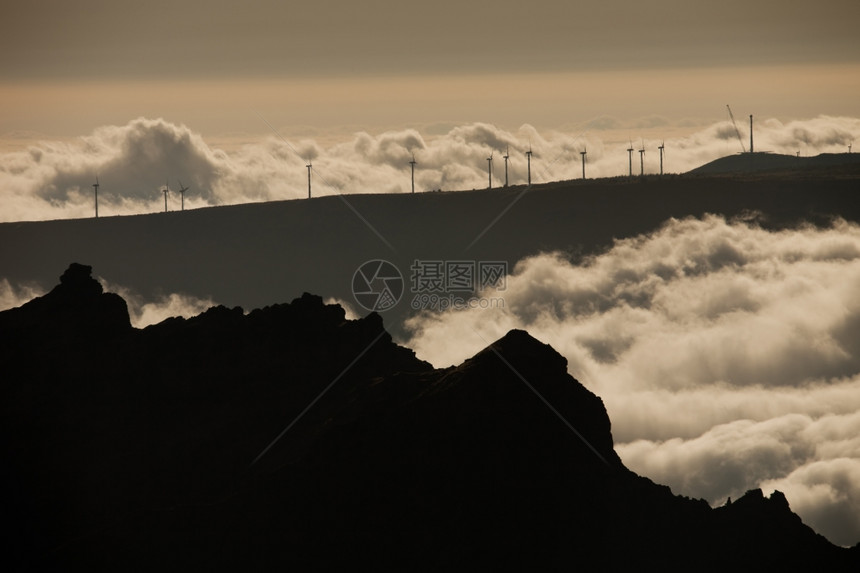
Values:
[(737, 131)]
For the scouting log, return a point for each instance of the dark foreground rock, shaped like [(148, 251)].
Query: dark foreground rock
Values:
[(190, 445)]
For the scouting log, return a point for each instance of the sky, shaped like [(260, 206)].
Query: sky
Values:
[(233, 100), (68, 68)]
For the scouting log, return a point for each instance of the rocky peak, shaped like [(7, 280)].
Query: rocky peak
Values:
[(77, 281), (77, 308), (538, 374)]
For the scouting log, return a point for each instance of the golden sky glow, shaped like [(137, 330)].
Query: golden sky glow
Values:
[(67, 68), (549, 100)]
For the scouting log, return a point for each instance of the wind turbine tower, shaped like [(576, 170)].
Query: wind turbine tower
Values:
[(642, 160), (166, 190), (661, 148), (583, 153), (309, 166), (182, 191), (751, 134), (630, 159), (529, 158), (412, 163), (507, 152), (96, 188), (490, 168)]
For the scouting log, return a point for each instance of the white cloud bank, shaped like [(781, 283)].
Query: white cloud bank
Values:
[(728, 356), (12, 295), (53, 180), (143, 313)]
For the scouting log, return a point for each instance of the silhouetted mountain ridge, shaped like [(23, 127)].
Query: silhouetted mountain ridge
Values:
[(133, 449), (831, 164)]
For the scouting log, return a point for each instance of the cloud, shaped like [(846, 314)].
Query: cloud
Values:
[(827, 494), (652, 121), (53, 179), (12, 296), (814, 461), (604, 122), (727, 355), (143, 312)]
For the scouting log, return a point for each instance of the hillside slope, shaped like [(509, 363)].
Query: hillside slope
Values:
[(249, 255)]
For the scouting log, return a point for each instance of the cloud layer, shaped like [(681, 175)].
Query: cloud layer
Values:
[(133, 162), (728, 356)]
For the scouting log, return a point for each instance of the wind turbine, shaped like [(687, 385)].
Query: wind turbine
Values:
[(96, 188), (309, 166), (630, 158), (751, 134), (412, 163), (661, 148), (182, 191), (529, 157), (849, 147), (507, 151), (642, 159), (490, 168), (583, 153), (166, 190)]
